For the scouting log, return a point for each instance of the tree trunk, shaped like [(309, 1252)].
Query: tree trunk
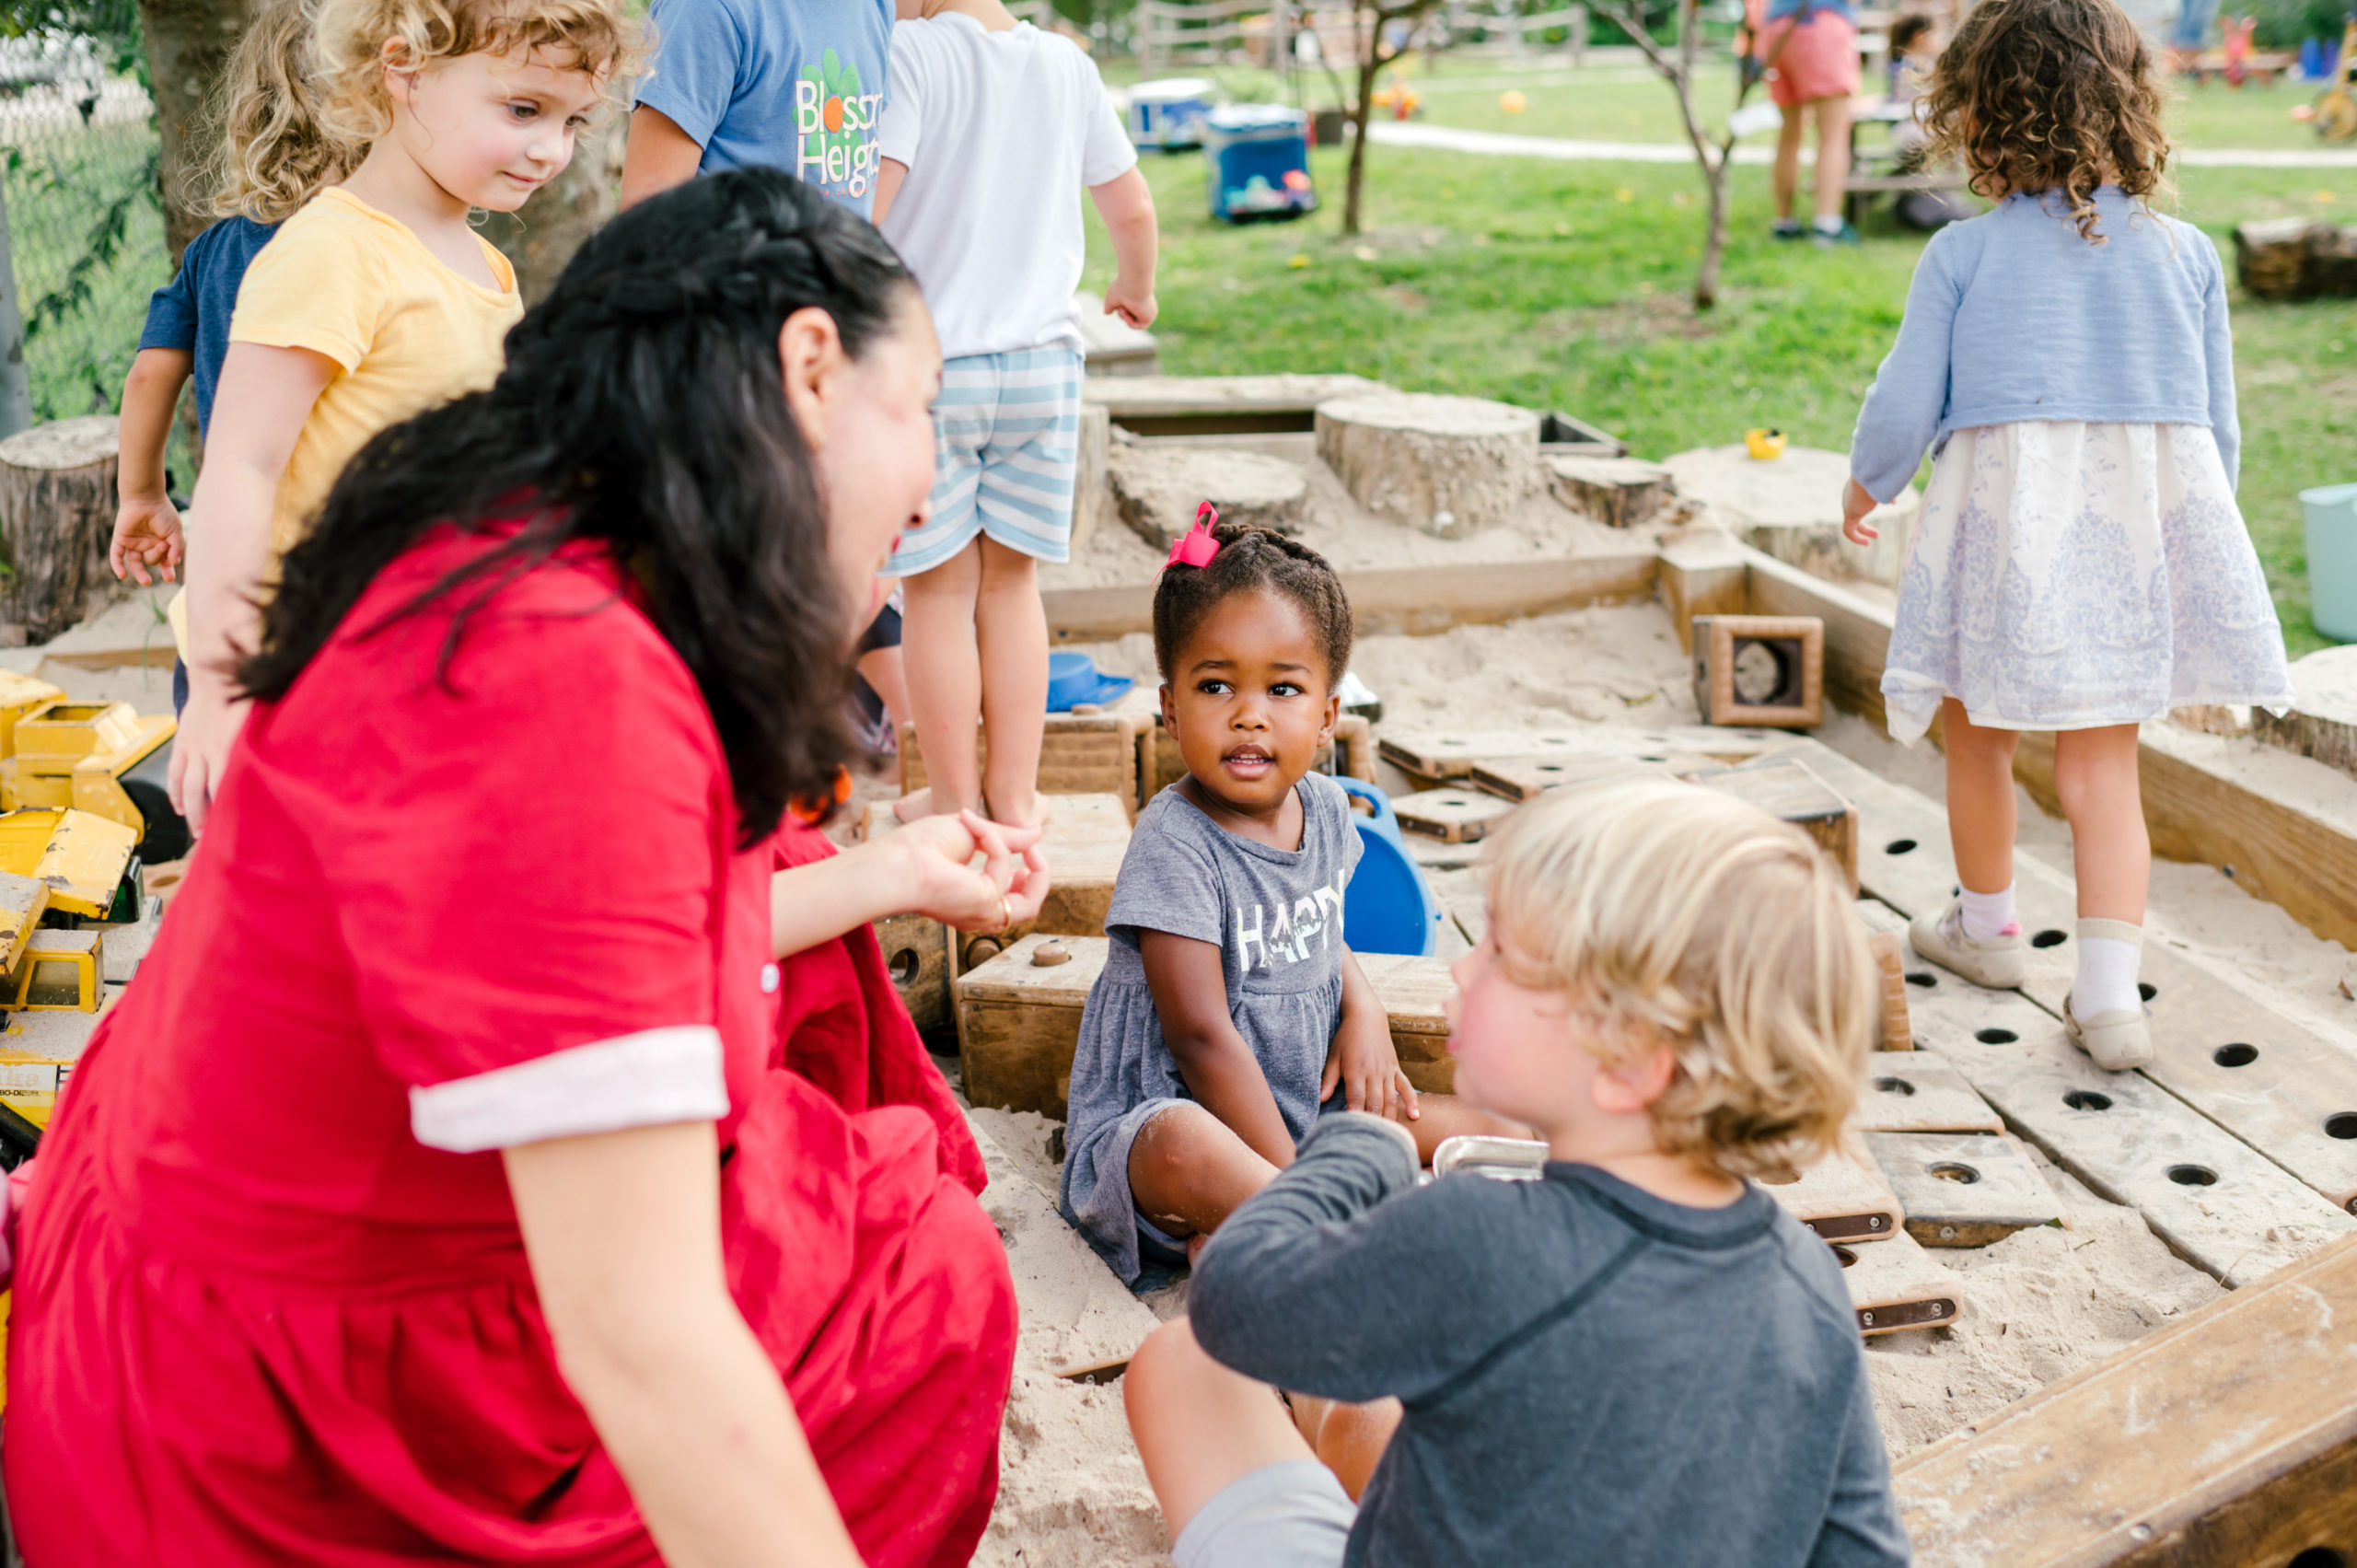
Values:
[(15, 388), (57, 519), (188, 43), (1714, 236), (1369, 67), (541, 237)]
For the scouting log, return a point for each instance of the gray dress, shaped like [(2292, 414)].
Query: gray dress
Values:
[(1276, 916)]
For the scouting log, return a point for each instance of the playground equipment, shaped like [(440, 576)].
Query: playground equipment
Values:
[(2336, 111), (1255, 161)]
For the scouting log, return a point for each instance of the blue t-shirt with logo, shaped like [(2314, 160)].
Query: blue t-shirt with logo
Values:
[(191, 312), (797, 84)]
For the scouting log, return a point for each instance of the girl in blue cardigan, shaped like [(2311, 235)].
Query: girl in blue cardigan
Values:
[(2079, 565)]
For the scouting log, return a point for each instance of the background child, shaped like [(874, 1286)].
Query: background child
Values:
[(1229, 1007), (2080, 565), (273, 157), (992, 128), (377, 300), (1810, 51), (1676, 995)]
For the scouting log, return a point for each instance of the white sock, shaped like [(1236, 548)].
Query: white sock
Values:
[(2106, 976), (1989, 915), (1826, 223)]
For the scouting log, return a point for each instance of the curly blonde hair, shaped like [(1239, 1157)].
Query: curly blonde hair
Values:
[(357, 41), (2036, 95), (270, 154), (1673, 914)]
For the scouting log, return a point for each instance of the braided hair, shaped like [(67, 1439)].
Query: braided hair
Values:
[(643, 405), (1253, 559)]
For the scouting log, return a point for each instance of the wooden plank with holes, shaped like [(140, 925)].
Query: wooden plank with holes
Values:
[(2281, 1086), (1438, 755), (1919, 1095), (1964, 1188), (1842, 1202), (1526, 778), (2226, 1438), (1788, 789), (916, 955), (1899, 1285), (1452, 815), (2216, 1201)]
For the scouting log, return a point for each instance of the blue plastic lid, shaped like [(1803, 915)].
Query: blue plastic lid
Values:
[(1074, 679)]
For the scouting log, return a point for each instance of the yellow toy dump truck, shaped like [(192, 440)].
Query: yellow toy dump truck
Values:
[(103, 758)]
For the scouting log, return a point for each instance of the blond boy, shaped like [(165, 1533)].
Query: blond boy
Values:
[(1639, 1360)]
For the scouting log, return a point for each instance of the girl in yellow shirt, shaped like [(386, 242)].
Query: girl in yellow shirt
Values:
[(377, 301)]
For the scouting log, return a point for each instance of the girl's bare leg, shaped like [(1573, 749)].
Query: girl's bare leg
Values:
[(2094, 772), (1981, 800), (1189, 1171), (1011, 630), (1787, 178), (944, 677), (1832, 153), (1199, 1426)]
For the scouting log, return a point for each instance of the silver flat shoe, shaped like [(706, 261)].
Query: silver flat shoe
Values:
[(1996, 963)]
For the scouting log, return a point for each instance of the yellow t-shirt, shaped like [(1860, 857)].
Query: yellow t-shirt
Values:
[(406, 332)]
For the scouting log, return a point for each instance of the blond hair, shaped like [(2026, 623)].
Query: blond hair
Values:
[(270, 154), (354, 42), (1673, 914)]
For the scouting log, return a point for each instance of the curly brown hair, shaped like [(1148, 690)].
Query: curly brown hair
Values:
[(2049, 95)]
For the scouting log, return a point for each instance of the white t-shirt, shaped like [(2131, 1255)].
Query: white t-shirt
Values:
[(1000, 131)]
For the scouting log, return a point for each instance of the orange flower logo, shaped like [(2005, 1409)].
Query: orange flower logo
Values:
[(832, 115)]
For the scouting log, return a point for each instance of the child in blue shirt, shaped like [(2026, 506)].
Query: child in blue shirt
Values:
[(273, 157), (2079, 565)]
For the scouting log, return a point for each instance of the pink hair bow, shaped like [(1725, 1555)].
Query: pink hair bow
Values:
[(1196, 546)]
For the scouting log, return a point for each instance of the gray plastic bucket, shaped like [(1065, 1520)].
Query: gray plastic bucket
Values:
[(2330, 513)]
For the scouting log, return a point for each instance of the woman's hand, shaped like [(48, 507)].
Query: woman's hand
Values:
[(1855, 505), (944, 883), (209, 727)]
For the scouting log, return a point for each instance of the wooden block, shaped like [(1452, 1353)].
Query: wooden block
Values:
[(1452, 815), (2261, 1073), (1438, 756), (1964, 1188), (1527, 778), (1857, 630), (1921, 1095), (1766, 670), (1703, 572), (1898, 1285), (1079, 754), (1619, 493), (1842, 1202), (2225, 1438), (917, 954), (2217, 1203), (1787, 789), (1890, 961), (1018, 1024)]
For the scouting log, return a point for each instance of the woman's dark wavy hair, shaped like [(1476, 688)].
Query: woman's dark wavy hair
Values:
[(643, 405), (2049, 95), (1253, 559)]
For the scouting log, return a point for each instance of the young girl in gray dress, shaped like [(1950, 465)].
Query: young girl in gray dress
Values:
[(1229, 1009)]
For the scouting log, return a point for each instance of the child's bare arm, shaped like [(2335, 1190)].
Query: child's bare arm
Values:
[(147, 528), (265, 396), (1190, 997), (1126, 204), (658, 156), (1362, 1058), (889, 173)]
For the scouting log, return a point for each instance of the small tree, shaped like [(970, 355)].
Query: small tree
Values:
[(1716, 157), (1369, 19)]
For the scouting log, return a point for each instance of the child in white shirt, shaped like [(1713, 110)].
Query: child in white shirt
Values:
[(992, 128)]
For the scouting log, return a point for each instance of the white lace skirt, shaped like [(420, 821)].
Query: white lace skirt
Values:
[(2069, 575)]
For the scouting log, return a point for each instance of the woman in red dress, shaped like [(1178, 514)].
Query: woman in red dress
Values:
[(443, 1190)]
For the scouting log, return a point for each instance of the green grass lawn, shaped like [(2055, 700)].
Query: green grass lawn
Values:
[(1565, 285)]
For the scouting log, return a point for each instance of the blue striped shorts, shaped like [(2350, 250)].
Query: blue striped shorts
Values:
[(1006, 433)]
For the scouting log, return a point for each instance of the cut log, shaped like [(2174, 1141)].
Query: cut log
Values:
[(57, 504), (2332, 260), (1790, 506), (1619, 493), (1157, 489), (2271, 256), (1448, 466), (2323, 720)]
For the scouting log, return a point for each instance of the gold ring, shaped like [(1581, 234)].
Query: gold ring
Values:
[(1006, 914)]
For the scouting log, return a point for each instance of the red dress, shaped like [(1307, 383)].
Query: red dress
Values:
[(272, 1303)]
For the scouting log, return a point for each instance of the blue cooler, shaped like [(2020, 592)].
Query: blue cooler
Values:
[(1169, 113), (1257, 158)]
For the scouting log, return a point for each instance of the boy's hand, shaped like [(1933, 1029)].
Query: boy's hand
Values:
[(1855, 505), (1362, 1062), (146, 534), (1133, 305)]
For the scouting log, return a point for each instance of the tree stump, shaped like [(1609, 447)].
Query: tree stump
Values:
[(57, 505), (2271, 256), (2323, 720), (1158, 488), (1448, 466), (2332, 260), (1619, 493)]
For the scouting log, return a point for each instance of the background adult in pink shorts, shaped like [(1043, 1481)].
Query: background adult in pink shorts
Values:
[(1809, 49)]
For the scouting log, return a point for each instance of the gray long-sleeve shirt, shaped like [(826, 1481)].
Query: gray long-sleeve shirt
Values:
[(1592, 1375)]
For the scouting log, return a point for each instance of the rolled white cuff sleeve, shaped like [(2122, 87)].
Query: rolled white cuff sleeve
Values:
[(653, 1078)]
